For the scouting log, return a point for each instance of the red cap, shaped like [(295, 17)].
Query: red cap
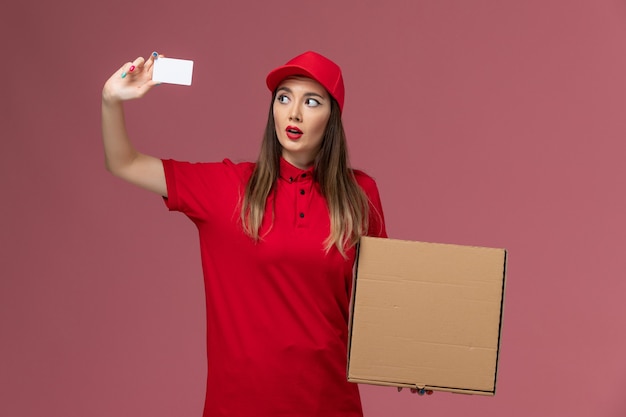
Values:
[(313, 65)]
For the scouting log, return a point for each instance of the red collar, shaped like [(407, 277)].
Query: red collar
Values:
[(292, 173)]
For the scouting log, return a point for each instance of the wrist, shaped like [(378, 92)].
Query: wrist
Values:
[(110, 100)]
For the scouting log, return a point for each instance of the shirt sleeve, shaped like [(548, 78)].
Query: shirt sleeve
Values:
[(199, 189)]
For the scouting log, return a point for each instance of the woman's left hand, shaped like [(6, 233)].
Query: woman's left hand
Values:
[(419, 391)]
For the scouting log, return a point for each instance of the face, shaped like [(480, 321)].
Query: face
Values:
[(301, 112)]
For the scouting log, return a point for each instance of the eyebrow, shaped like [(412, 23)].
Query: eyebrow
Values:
[(308, 94)]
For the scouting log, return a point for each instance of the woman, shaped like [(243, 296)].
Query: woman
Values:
[(277, 242)]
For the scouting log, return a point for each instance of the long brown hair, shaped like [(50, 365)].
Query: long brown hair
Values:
[(347, 203)]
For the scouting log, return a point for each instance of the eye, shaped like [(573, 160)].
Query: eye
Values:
[(283, 99), (311, 102)]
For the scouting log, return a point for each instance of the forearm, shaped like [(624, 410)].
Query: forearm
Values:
[(119, 152)]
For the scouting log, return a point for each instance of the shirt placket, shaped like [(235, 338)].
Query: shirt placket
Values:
[(302, 188)]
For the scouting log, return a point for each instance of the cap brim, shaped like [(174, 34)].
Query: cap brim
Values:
[(275, 77)]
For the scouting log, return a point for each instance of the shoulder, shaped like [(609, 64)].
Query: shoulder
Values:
[(245, 169), (225, 167), (365, 181), (376, 218), (226, 163)]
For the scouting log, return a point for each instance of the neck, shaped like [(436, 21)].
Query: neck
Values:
[(302, 163)]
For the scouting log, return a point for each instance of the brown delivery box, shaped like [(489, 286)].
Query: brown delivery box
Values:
[(426, 315)]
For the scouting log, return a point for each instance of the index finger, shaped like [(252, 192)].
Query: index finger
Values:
[(139, 62)]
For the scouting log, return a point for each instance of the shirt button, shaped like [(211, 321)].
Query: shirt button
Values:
[(301, 215), (301, 192), (290, 179), (303, 175)]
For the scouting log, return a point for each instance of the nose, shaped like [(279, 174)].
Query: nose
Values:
[(295, 114)]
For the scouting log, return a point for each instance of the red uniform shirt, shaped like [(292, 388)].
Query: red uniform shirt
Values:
[(277, 310)]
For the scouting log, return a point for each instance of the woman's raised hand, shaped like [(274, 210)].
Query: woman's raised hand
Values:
[(133, 80)]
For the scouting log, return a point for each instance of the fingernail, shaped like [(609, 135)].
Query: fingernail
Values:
[(131, 69), (399, 389), (155, 54), (124, 74)]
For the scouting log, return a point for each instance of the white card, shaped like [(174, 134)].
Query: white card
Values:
[(172, 71)]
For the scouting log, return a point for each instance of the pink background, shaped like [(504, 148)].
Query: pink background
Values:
[(487, 122)]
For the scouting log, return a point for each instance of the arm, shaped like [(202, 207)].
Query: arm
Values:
[(131, 81)]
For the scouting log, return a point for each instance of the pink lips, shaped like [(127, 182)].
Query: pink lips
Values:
[(293, 132)]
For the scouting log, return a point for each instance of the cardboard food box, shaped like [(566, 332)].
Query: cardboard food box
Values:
[(426, 316)]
